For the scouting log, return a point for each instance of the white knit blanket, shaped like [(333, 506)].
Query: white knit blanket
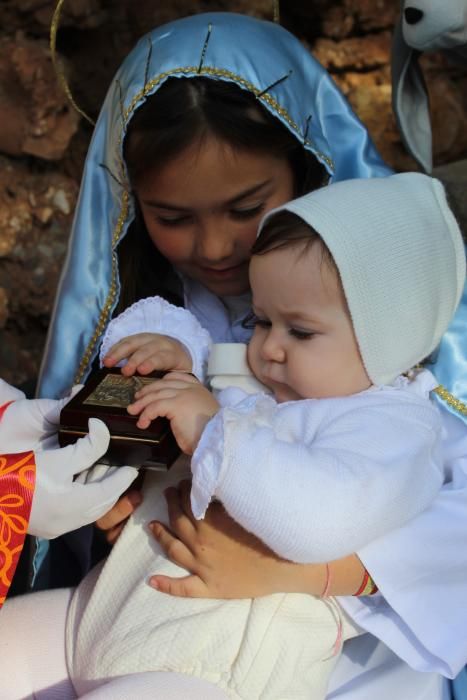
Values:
[(275, 647)]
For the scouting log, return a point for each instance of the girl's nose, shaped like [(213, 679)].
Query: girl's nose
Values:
[(214, 241), (272, 349)]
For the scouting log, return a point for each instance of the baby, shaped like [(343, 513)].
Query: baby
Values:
[(353, 286)]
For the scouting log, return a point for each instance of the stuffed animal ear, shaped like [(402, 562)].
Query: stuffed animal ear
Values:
[(410, 101)]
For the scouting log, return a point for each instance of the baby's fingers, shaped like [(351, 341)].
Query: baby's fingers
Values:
[(151, 409), (150, 397), (174, 381), (143, 360), (181, 376), (147, 358), (124, 348)]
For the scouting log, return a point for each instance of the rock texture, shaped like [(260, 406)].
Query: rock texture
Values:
[(35, 215), (36, 117), (43, 141)]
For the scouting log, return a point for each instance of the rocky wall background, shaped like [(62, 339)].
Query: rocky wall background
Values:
[(43, 140)]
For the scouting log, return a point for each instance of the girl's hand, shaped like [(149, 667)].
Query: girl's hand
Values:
[(225, 560), (113, 522), (182, 399), (146, 352)]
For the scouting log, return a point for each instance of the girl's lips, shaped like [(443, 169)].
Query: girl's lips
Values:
[(224, 272)]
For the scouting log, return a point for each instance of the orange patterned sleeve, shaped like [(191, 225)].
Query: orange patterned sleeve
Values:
[(17, 480)]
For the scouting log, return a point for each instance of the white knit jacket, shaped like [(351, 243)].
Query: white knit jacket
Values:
[(314, 479), (319, 479)]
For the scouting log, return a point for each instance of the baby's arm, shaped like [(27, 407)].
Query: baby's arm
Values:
[(328, 481), (155, 335)]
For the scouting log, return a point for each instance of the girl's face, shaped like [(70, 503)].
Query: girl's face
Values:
[(203, 208), (303, 345)]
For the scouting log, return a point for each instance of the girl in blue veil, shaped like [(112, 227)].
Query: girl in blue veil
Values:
[(406, 622), (261, 58)]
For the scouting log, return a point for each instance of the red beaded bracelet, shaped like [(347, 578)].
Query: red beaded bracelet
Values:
[(367, 586)]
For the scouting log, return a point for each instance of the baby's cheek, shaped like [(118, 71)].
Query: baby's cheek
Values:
[(252, 355)]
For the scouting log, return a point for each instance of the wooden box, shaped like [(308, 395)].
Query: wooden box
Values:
[(106, 395)]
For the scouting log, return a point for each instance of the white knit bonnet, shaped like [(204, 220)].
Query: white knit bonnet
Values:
[(401, 259)]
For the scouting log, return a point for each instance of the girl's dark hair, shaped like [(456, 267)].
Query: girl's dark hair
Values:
[(180, 112), (286, 230)]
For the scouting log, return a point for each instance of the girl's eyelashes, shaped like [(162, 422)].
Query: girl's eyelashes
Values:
[(247, 213), (172, 220), (184, 219)]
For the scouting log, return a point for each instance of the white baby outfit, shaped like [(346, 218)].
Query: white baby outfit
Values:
[(274, 482), (318, 479)]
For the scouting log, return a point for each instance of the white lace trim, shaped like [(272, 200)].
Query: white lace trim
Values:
[(156, 315)]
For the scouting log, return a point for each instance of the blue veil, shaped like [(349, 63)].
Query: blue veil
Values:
[(260, 57)]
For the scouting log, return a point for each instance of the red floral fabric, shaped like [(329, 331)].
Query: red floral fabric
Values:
[(17, 480)]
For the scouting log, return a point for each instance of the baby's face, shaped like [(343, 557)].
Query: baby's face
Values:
[(303, 345)]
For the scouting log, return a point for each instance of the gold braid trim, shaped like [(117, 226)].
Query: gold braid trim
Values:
[(451, 400), (111, 296), (58, 69), (223, 74), (148, 89)]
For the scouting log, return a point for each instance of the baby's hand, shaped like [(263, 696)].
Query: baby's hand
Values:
[(146, 352), (183, 400)]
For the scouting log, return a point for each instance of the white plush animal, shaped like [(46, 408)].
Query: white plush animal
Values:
[(424, 25)]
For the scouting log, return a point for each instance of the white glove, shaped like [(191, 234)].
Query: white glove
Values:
[(9, 393), (31, 424), (61, 504)]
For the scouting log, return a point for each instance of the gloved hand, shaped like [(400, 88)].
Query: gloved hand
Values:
[(31, 424), (61, 504)]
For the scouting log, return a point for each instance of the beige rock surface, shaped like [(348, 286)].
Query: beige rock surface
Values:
[(36, 117), (35, 216)]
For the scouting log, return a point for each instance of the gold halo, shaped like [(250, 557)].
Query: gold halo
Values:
[(58, 69), (276, 13)]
